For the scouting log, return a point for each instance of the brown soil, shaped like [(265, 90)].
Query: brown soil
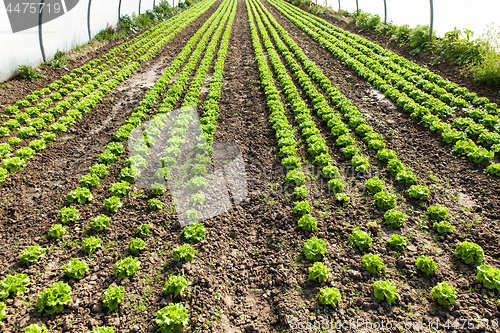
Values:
[(249, 274)]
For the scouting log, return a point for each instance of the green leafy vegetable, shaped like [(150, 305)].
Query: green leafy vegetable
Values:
[(54, 298)]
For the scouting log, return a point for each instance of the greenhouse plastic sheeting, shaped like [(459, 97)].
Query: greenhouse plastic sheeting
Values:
[(68, 30), (463, 14)]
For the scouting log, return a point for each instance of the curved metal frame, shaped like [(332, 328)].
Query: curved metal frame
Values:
[(432, 20), (385, 11), (88, 20), (119, 9), (40, 37), (139, 7)]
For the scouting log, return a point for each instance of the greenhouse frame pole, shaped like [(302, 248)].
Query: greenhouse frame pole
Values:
[(385, 11), (432, 20), (88, 20), (139, 7), (40, 37), (339, 6), (357, 8), (119, 9)]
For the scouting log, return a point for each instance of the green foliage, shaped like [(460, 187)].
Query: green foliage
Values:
[(397, 242), (329, 296), (68, 214), (32, 253), (101, 170), (13, 163), (172, 318), (360, 239), (314, 249), (76, 269), (194, 232), (57, 231), (35, 328), (119, 189), (437, 213), (308, 222), (100, 222), (300, 192), (385, 200), (80, 194), (443, 227), (295, 177), (37, 145), (127, 267), (375, 185), (318, 272), (444, 293), (136, 245), (488, 70), (493, 169), (25, 153), (155, 204), (372, 263), (26, 132), (360, 163), (130, 174), (13, 285), (196, 183), (175, 285), (112, 204), (336, 185), (107, 157), (386, 290), (343, 198), (301, 208), (103, 329), (115, 147), (489, 277), (184, 252), (54, 298), (113, 297), (395, 166), (418, 192), (89, 180), (330, 172), (426, 264), (198, 198), (394, 218), (469, 252), (28, 73), (406, 177), (2, 311), (144, 230), (91, 244), (385, 155)]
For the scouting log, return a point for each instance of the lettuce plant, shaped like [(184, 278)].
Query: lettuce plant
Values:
[(343, 198), (100, 222), (308, 222), (57, 231), (397, 242), (2, 311), (386, 155), (395, 166), (76, 269), (89, 180), (318, 272), (196, 183), (443, 227), (68, 214), (32, 253), (127, 267), (130, 174), (330, 172), (444, 293), (300, 192), (107, 157), (144, 230), (418, 192), (13, 163), (489, 277), (386, 290), (119, 189), (197, 199), (375, 185), (184, 252), (155, 205), (360, 239), (37, 145), (437, 213), (54, 298), (302, 208), (13, 285), (295, 177), (172, 318), (100, 170), (469, 252), (336, 185), (194, 232), (158, 189), (80, 194), (136, 245), (25, 153), (406, 177), (394, 218), (175, 285), (113, 297), (385, 200), (329, 296), (115, 147), (35, 328), (112, 204), (372, 263), (103, 329), (91, 244), (314, 249), (426, 264)]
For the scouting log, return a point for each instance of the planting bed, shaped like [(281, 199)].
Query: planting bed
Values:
[(349, 150)]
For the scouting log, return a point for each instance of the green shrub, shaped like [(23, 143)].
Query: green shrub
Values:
[(91, 244), (57, 231), (418, 192), (68, 214), (443, 227), (300, 192), (100, 222), (28, 73), (155, 205), (489, 277), (144, 230), (375, 185), (13, 285), (184, 252), (385, 200), (136, 245), (112, 204), (302, 208), (336, 185), (437, 213), (308, 222)]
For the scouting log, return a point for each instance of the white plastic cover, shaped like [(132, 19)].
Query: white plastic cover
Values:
[(62, 33)]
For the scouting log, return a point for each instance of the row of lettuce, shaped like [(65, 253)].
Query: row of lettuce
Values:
[(174, 316), (425, 95), (314, 249), (81, 94)]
